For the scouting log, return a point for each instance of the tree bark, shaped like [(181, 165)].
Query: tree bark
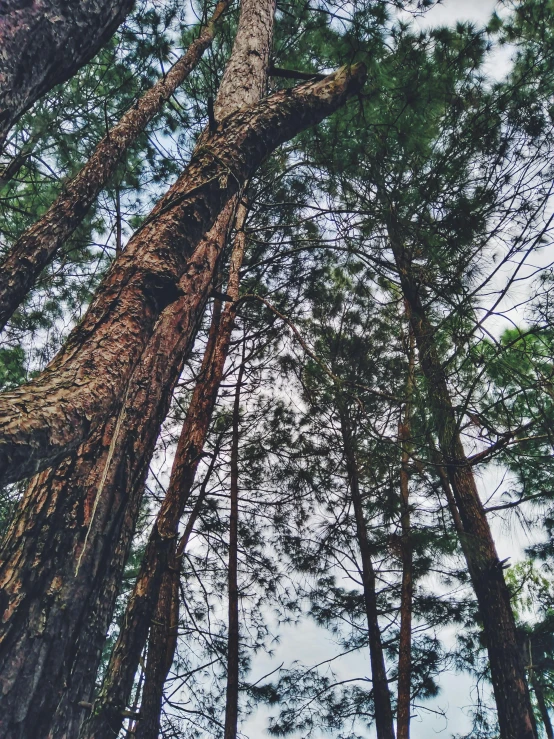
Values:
[(162, 643), (407, 587), (543, 708), (124, 660), (381, 695), (43, 421), (39, 244), (232, 694), (515, 713), (64, 554), (43, 44)]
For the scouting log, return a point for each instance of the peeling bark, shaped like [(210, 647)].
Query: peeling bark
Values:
[(45, 43), (39, 244), (43, 421), (124, 660), (515, 713), (65, 551)]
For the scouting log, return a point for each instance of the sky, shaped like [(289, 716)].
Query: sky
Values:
[(310, 644)]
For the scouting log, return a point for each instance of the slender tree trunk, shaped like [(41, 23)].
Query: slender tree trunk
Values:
[(43, 44), (38, 245), (232, 694), (407, 588), (43, 421), (123, 663), (515, 713), (381, 695), (543, 708), (162, 641)]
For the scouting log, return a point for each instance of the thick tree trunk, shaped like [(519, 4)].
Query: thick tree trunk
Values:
[(124, 660), (38, 245), (45, 43), (515, 713), (232, 693), (381, 695), (407, 587), (41, 422), (65, 551)]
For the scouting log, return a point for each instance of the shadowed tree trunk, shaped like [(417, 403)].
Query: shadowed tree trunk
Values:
[(38, 245), (407, 588), (43, 421), (381, 695), (543, 708), (124, 660), (232, 693), (45, 43), (515, 713)]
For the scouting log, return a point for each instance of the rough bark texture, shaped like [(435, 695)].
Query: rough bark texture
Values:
[(515, 713), (407, 587), (381, 696), (38, 245), (232, 692), (45, 43), (244, 80), (63, 556), (124, 660), (41, 422)]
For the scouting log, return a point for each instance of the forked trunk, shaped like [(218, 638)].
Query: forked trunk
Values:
[(43, 421), (38, 245), (381, 694), (515, 713), (43, 44), (232, 693)]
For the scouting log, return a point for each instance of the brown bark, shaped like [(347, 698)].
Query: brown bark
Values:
[(407, 587), (515, 713), (41, 422), (43, 44), (381, 695), (64, 553), (232, 693), (125, 656), (162, 642), (38, 245)]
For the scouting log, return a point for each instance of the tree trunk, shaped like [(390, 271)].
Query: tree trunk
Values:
[(407, 588), (381, 695), (543, 708), (232, 694), (124, 660), (162, 643), (65, 551), (43, 44), (38, 245), (515, 713), (43, 421)]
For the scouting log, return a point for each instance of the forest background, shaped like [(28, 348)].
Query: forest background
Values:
[(443, 161)]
